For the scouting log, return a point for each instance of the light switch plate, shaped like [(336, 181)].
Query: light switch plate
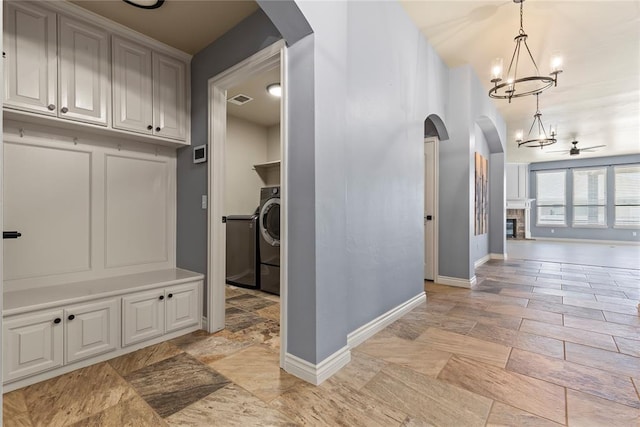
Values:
[(204, 201)]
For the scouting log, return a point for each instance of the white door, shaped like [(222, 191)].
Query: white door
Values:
[(169, 97), (31, 63), (182, 306), (91, 329), (32, 343), (142, 316), (84, 72), (430, 207), (132, 103)]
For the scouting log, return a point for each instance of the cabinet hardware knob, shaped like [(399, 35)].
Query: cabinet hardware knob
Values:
[(51, 107), (149, 127), (158, 129), (161, 297), (170, 295), (64, 110), (71, 317), (57, 320)]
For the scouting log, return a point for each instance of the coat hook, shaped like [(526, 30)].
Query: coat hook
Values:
[(21, 133)]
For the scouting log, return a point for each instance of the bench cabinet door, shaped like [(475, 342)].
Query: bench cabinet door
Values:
[(91, 329), (142, 316), (182, 306)]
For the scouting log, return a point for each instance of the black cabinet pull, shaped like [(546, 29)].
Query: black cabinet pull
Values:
[(161, 297), (149, 127), (71, 317), (11, 234), (170, 296), (158, 129), (57, 320), (64, 110)]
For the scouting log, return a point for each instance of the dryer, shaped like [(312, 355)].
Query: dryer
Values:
[(269, 244)]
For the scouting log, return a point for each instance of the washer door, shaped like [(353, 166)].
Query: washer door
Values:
[(270, 221)]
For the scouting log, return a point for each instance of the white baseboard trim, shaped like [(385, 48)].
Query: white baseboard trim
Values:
[(604, 242), (317, 373), (455, 281), (368, 330), (498, 256), (481, 261)]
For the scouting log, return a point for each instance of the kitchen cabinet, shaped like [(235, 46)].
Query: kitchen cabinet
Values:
[(32, 343), (149, 91), (147, 315), (91, 329), (75, 84), (517, 181)]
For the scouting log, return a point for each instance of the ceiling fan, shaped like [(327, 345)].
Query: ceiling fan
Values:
[(574, 151)]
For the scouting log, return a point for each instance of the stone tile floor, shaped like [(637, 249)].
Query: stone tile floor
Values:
[(534, 344)]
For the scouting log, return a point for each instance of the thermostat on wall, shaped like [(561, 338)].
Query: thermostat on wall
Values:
[(200, 154)]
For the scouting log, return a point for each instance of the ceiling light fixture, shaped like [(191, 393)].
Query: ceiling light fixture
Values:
[(515, 86), (275, 89), (541, 139), (145, 4)]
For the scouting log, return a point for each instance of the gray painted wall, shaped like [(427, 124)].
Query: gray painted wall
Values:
[(609, 233), (497, 207), (248, 37)]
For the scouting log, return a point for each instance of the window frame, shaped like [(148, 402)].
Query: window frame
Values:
[(563, 205), (615, 194), (605, 204)]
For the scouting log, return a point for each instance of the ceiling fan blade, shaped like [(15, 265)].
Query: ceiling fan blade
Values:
[(592, 147), (558, 151)]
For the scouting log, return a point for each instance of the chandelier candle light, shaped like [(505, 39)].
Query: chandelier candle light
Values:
[(540, 139), (514, 86)]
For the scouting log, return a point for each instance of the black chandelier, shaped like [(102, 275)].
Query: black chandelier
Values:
[(541, 139), (145, 4), (514, 86)]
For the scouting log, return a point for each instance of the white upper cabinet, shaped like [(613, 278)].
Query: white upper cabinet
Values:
[(31, 62), (84, 72), (169, 97), (132, 104), (149, 91)]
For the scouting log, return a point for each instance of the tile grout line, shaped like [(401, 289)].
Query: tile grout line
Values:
[(566, 406)]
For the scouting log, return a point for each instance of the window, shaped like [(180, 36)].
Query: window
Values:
[(590, 197), (627, 196), (550, 198)]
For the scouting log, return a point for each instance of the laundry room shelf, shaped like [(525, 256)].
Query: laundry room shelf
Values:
[(269, 172)]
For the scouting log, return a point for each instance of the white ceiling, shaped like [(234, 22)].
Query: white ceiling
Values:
[(265, 108), (597, 100)]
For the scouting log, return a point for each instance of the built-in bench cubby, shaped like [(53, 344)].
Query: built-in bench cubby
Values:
[(58, 329)]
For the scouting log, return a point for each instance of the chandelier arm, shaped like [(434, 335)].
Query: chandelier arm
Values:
[(532, 125), (531, 56), (511, 63)]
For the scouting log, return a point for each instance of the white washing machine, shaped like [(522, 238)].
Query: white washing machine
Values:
[(269, 221)]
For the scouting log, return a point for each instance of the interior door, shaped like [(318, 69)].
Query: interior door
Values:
[(430, 186)]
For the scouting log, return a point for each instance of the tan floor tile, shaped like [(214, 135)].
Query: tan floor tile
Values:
[(331, 405), (522, 340), (578, 336), (427, 399), (131, 413), (418, 355), (627, 346), (520, 391), (131, 362), (558, 307), (229, 406), (72, 397), (609, 328), (271, 312), (616, 363), (527, 313), (13, 403), (359, 370), (486, 317), (485, 351), (213, 347), (563, 293), (624, 319), (531, 296), (19, 419), (504, 415), (572, 375), (585, 410), (596, 305), (257, 369), (617, 300)]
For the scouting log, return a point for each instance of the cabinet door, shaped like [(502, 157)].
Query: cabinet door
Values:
[(169, 97), (31, 62), (91, 329), (182, 306), (142, 316), (84, 72), (132, 106), (31, 344)]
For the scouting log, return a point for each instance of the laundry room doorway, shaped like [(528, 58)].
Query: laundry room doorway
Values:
[(247, 169)]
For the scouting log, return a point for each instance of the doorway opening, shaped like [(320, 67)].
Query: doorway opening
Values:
[(430, 208), (247, 224)]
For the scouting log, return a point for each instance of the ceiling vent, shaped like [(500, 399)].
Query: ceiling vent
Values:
[(240, 99)]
